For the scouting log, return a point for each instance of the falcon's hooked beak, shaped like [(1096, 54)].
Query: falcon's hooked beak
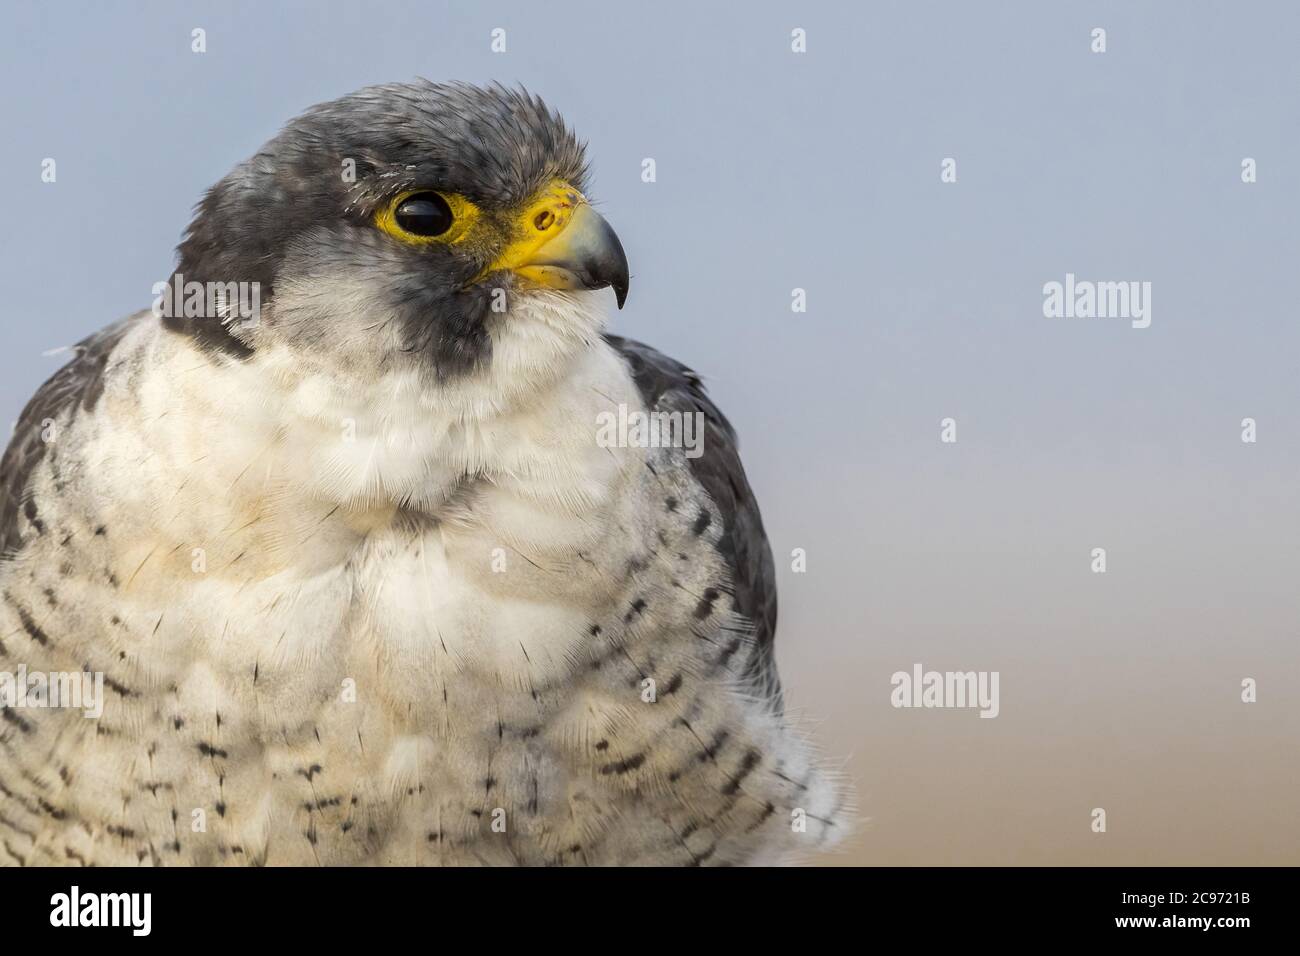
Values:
[(562, 243)]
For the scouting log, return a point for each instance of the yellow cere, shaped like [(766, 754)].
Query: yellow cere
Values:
[(543, 218)]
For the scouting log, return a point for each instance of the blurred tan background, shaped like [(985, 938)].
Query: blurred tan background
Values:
[(1119, 690)]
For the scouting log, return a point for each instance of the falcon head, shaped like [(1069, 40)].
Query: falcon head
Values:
[(408, 226)]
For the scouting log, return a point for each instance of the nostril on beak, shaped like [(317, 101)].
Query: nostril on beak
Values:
[(544, 220)]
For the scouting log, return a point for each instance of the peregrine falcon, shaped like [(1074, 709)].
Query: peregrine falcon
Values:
[(360, 582)]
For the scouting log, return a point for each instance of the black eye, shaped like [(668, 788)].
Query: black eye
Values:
[(424, 214)]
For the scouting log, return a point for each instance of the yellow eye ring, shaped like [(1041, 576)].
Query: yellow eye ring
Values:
[(424, 217)]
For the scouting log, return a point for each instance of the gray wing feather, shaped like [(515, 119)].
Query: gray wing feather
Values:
[(668, 385), (72, 389)]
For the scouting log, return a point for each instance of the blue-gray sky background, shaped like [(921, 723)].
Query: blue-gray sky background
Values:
[(821, 171)]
